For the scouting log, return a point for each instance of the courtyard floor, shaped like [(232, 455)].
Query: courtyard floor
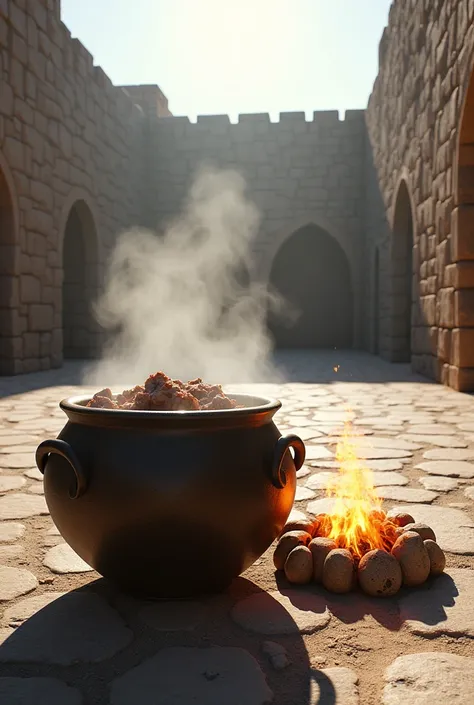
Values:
[(69, 638)]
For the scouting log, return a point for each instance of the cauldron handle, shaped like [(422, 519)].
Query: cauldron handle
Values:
[(65, 451), (282, 447)]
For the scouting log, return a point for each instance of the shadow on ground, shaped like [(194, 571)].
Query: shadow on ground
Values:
[(354, 607), (112, 648)]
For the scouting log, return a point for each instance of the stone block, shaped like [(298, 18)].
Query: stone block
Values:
[(444, 345), (30, 86), (464, 308), (463, 275), (39, 221), (462, 346), (18, 19), (462, 233), (42, 194), (446, 308), (11, 348), (56, 343), (17, 78), (31, 345), (461, 378), (31, 365), (428, 309), (449, 277), (45, 344), (14, 153), (9, 291), (30, 289), (40, 317)]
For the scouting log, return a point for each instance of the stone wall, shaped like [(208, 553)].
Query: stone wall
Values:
[(298, 172), (67, 136), (81, 159), (420, 122)]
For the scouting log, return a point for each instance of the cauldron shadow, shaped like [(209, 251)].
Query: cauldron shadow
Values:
[(424, 604), (92, 636)]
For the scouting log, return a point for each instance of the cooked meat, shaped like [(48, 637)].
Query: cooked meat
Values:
[(161, 393)]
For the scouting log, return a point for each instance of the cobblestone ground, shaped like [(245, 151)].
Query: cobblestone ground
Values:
[(68, 638)]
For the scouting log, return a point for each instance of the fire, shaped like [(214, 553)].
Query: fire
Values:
[(357, 521)]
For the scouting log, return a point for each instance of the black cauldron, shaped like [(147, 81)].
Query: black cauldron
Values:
[(170, 504)]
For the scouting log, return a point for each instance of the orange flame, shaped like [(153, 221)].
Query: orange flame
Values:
[(357, 521)]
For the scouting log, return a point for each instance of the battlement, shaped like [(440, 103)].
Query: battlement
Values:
[(51, 42), (326, 118)]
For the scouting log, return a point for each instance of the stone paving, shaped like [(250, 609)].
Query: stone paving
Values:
[(67, 637)]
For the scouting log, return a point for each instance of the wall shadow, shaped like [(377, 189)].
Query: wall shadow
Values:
[(116, 649)]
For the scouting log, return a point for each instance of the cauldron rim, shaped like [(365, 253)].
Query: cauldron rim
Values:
[(260, 410)]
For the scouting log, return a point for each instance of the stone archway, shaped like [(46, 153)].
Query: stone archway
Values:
[(461, 371), (10, 342), (402, 277), (312, 274), (80, 283)]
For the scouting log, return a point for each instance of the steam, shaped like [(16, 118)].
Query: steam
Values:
[(179, 303)]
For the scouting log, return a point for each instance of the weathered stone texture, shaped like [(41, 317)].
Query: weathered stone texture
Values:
[(67, 135), (81, 159), (297, 172), (419, 120)]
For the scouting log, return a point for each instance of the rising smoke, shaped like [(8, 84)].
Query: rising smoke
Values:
[(178, 302)]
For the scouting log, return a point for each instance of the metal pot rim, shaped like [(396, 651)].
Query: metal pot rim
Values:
[(256, 407)]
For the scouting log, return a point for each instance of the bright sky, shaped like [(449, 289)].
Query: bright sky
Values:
[(237, 56)]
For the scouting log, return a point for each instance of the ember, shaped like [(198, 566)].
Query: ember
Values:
[(358, 542)]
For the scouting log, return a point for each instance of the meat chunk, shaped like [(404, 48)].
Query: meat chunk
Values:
[(219, 401), (102, 400), (161, 393)]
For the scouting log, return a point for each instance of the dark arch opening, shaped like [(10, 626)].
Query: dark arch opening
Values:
[(311, 272), (376, 303), (402, 276), (465, 166), (80, 261), (7, 280), (461, 375)]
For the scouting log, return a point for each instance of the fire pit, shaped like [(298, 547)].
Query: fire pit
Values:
[(170, 503), (358, 543)]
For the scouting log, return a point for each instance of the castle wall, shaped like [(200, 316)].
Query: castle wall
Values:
[(415, 117), (297, 173), (67, 135)]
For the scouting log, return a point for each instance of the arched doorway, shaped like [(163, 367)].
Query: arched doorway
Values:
[(80, 262), (311, 272), (402, 277), (8, 281), (461, 372)]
